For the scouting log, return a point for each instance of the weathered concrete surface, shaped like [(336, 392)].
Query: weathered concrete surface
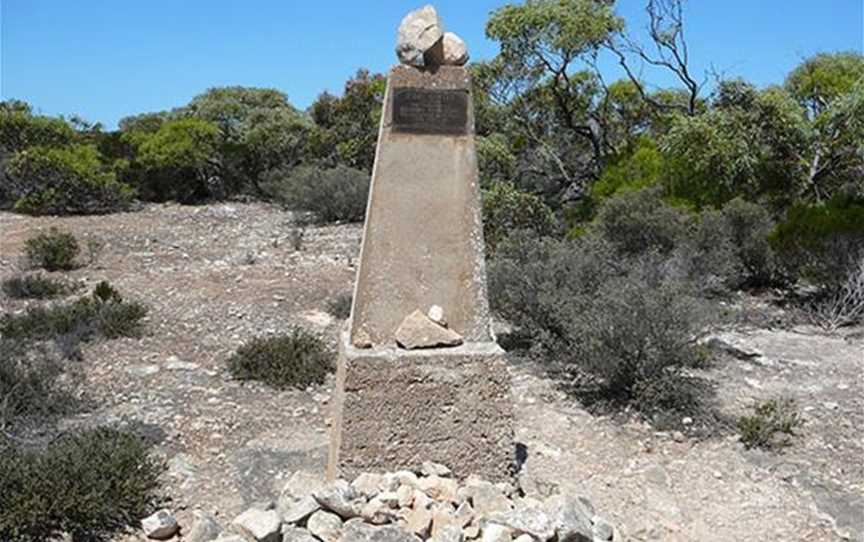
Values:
[(423, 240), (396, 409)]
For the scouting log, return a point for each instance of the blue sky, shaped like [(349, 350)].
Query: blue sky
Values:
[(105, 59)]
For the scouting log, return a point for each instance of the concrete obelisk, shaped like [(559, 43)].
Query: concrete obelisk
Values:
[(420, 377)]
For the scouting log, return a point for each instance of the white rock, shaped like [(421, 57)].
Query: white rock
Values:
[(325, 526), (493, 532), (370, 484), (420, 31), (261, 525), (440, 489), (204, 529), (447, 533), (418, 331), (339, 497), (290, 533), (429, 468), (455, 51), (436, 314), (160, 526), (295, 510)]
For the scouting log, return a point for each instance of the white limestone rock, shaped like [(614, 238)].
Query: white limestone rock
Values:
[(418, 331), (260, 525), (420, 32), (325, 525), (204, 529), (162, 525), (455, 50)]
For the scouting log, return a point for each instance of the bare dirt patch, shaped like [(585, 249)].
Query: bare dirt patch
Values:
[(215, 276)]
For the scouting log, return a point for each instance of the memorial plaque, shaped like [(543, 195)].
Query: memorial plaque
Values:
[(429, 111)]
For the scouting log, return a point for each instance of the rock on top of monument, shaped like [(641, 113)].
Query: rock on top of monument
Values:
[(419, 331), (419, 42), (455, 50)]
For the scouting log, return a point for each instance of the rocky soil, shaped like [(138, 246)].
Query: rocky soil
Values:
[(216, 276)]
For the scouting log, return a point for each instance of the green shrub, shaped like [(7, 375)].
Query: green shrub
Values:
[(749, 226), (507, 209), (640, 169), (339, 194), (340, 306), (626, 322), (294, 360), (54, 251), (30, 384), (35, 287), (770, 425), (640, 221), (821, 242), (90, 485), (64, 181), (87, 317), (706, 255)]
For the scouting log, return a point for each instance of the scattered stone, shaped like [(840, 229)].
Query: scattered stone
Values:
[(173, 363), (732, 346), (440, 489), (293, 510), (143, 370), (464, 514), (303, 484), (443, 518), (436, 314), (455, 50), (362, 339), (524, 538), (418, 331), (261, 525), (420, 32), (405, 494), (570, 516), (357, 531), (325, 526), (447, 533), (486, 498), (678, 436), (493, 532), (370, 484), (429, 468), (419, 520), (204, 529), (291, 533), (527, 519), (341, 498), (377, 512), (160, 526), (602, 531), (231, 538)]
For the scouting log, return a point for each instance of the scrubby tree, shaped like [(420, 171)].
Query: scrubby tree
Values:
[(348, 125), (179, 161)]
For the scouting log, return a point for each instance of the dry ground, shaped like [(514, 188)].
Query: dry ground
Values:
[(215, 276)]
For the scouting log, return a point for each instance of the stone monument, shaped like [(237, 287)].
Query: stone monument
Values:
[(420, 377)]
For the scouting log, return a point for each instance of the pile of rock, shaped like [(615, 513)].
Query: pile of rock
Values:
[(408, 506), (422, 41)]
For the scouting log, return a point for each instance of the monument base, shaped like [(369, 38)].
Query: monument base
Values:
[(395, 409)]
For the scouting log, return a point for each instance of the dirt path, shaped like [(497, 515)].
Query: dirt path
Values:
[(216, 276)]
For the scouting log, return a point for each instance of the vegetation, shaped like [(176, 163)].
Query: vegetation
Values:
[(32, 385), (297, 359), (103, 314), (90, 485), (53, 251), (35, 287), (340, 306), (771, 424), (339, 194)]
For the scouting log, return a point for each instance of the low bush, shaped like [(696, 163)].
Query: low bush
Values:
[(844, 305), (627, 323), (35, 287), (749, 226), (507, 209), (104, 314), (639, 221), (54, 250), (340, 306), (339, 194), (31, 384), (298, 359), (821, 243), (89, 485), (64, 181), (771, 424)]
